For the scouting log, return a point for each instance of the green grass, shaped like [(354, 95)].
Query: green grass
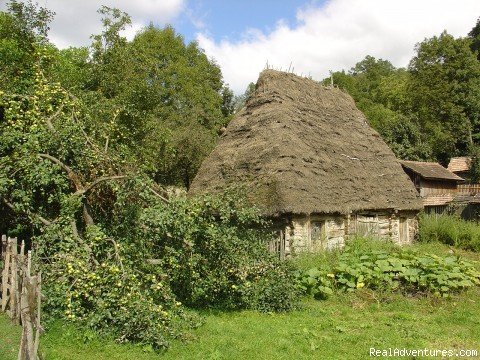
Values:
[(342, 327), (9, 338)]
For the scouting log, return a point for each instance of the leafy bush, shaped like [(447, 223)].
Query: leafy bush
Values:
[(399, 270), (105, 285), (209, 252), (213, 250), (450, 230)]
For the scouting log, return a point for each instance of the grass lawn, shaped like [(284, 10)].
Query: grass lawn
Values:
[(342, 327), (9, 338)]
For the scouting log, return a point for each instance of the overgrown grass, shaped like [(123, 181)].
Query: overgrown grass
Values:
[(450, 230), (328, 259)]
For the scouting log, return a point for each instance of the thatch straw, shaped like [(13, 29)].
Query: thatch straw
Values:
[(303, 148)]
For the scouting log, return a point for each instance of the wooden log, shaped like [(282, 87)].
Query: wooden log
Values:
[(38, 327), (4, 253), (20, 278), (5, 276), (26, 342), (31, 291), (30, 300), (14, 290), (29, 262), (4, 247), (23, 350)]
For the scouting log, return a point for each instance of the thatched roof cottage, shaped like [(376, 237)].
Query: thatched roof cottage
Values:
[(313, 164)]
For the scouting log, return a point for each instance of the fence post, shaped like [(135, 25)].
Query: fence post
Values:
[(14, 289), (282, 245), (6, 285), (4, 247), (38, 327)]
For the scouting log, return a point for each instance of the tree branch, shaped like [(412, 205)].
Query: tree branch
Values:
[(117, 254), (108, 136), (98, 181), (74, 119), (80, 240), (79, 188), (164, 199), (28, 213), (87, 216), (49, 120), (71, 174), (106, 144)]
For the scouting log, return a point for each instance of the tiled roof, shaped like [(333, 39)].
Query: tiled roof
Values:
[(430, 170), (459, 164)]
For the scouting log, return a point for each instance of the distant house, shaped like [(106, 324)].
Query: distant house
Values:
[(313, 165), (467, 201), (436, 185), (460, 166)]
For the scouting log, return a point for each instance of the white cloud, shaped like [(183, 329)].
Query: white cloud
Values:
[(76, 21), (196, 17), (338, 34)]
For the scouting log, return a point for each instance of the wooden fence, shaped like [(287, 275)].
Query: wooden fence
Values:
[(469, 188), (277, 246), (21, 295)]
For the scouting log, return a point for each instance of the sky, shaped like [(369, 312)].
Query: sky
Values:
[(311, 37)]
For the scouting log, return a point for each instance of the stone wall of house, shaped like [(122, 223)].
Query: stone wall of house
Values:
[(412, 226), (334, 232), (315, 232)]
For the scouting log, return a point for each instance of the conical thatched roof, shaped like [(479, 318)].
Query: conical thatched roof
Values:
[(303, 148)]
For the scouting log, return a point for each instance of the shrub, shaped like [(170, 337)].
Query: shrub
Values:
[(103, 284), (209, 252), (213, 250), (450, 230)]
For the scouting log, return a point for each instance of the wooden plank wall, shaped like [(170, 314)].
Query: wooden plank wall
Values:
[(432, 187)]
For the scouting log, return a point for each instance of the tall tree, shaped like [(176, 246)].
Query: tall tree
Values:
[(380, 91), (160, 100), (174, 102), (444, 91), (474, 35), (22, 28)]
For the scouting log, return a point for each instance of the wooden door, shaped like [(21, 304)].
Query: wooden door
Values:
[(403, 230), (367, 225)]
